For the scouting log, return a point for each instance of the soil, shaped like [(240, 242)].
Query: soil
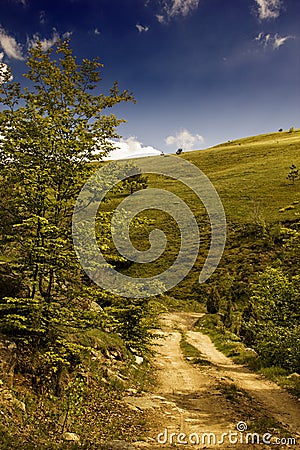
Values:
[(215, 404)]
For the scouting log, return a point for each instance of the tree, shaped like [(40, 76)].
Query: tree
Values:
[(213, 301), (135, 183), (293, 174), (50, 132), (272, 321)]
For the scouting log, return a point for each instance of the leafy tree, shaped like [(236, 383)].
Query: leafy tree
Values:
[(135, 183), (272, 321), (50, 131), (228, 315), (290, 252), (213, 301), (293, 174)]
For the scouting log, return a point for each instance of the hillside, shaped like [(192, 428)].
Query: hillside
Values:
[(250, 176), (90, 382), (251, 172)]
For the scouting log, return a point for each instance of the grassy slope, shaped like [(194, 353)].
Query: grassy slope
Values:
[(250, 177), (253, 170)]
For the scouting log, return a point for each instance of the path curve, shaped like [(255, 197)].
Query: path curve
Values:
[(192, 400)]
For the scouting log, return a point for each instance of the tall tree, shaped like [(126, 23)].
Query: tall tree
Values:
[(50, 132)]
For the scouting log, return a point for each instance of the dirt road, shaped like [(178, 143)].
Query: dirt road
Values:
[(215, 405)]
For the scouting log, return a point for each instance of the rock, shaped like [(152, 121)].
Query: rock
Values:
[(116, 355), (139, 359), (132, 391), (95, 307), (251, 351), (294, 376), (113, 376), (133, 408), (71, 437), (159, 397)]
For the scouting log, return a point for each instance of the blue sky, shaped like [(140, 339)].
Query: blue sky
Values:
[(202, 71)]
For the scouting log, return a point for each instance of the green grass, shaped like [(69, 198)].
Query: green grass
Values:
[(191, 353), (282, 377), (227, 342), (246, 172), (231, 345), (251, 172), (250, 177)]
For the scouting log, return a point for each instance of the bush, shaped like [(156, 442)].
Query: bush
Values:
[(213, 301), (272, 322)]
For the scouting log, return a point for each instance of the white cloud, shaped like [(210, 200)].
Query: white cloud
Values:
[(67, 34), (42, 17), (46, 43), (274, 41), (141, 28), (279, 41), (259, 37), (160, 18), (10, 46), (184, 139), (173, 8), (263, 39), (269, 9), (132, 148)]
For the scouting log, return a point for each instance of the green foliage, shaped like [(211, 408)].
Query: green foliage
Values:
[(74, 394), (22, 317), (135, 183), (213, 301), (290, 252), (227, 319), (274, 322), (45, 149), (51, 131), (135, 321), (293, 174)]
